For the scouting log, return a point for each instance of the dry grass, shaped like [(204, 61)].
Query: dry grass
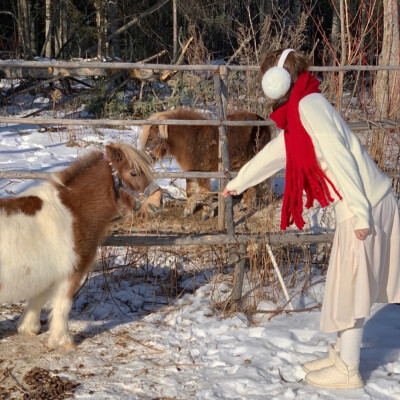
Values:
[(173, 271)]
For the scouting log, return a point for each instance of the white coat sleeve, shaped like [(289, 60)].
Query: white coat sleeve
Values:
[(325, 133), (267, 162)]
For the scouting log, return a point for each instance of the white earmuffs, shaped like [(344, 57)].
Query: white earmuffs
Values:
[(276, 81)]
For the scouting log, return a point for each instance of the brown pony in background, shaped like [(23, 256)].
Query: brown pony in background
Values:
[(195, 148)]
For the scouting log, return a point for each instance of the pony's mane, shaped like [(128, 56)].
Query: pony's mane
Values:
[(66, 176), (137, 160), (180, 113)]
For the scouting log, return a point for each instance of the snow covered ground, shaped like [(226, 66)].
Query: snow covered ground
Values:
[(185, 350)]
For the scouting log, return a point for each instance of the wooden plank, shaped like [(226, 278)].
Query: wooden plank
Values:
[(157, 175), (217, 239), (63, 67), (354, 126), (66, 65), (128, 122)]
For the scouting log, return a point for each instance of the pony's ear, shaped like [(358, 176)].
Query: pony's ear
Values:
[(163, 129), (114, 153)]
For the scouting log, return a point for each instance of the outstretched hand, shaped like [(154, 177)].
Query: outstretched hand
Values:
[(362, 233), (227, 192)]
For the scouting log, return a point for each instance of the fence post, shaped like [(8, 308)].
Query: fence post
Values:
[(225, 208), (238, 278), (225, 211)]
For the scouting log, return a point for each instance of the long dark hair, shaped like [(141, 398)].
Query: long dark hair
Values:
[(296, 63)]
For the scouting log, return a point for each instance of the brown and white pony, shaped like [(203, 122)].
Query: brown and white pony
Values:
[(49, 234), (195, 148)]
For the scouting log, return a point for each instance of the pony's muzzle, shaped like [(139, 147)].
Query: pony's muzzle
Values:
[(151, 204), (154, 209)]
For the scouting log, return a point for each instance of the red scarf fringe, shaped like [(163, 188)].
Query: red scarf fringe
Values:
[(303, 172)]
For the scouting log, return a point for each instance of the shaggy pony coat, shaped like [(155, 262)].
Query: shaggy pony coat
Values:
[(195, 148), (50, 233)]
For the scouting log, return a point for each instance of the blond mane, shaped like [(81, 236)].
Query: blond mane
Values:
[(138, 160), (146, 128)]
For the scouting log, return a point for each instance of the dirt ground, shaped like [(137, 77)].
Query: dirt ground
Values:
[(19, 354)]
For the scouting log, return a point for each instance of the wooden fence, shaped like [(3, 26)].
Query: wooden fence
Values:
[(14, 69)]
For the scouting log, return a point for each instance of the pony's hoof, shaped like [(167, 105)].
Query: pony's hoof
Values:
[(70, 346), (29, 333), (63, 341), (186, 214), (29, 329)]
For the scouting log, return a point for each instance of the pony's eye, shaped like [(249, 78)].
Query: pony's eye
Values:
[(133, 174)]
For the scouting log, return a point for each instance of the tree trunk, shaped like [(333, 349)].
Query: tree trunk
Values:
[(265, 8), (387, 82), (343, 55), (57, 27), (63, 23), (174, 30), (296, 10), (99, 22), (32, 31), (112, 14), (48, 28), (24, 25), (335, 35)]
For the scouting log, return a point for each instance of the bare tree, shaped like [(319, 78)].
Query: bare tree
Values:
[(335, 34), (134, 21), (63, 23), (343, 13), (48, 29), (265, 8), (296, 7), (387, 82), (32, 32), (174, 30), (112, 15), (56, 15), (25, 26), (100, 25)]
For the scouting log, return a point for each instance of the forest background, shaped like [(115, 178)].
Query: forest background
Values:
[(332, 32), (360, 38)]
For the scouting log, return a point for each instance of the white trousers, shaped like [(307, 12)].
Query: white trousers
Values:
[(348, 343)]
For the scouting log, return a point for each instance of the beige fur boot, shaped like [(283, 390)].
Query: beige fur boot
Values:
[(320, 363), (337, 376)]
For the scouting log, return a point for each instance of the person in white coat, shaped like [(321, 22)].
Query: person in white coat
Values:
[(325, 161)]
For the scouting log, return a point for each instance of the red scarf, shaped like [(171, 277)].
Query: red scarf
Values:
[(303, 172)]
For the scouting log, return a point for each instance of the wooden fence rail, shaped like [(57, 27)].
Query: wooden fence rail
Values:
[(355, 126), (131, 122), (14, 69), (217, 239), (220, 76), (157, 175), (67, 65)]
